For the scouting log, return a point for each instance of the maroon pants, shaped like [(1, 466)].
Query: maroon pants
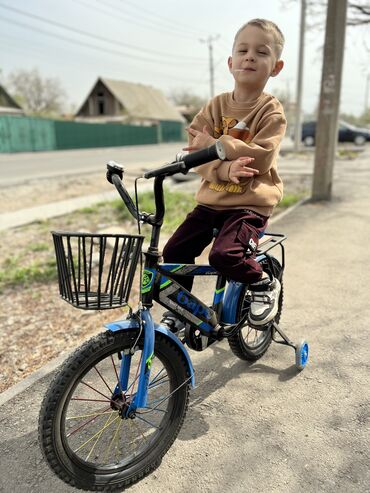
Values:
[(231, 251)]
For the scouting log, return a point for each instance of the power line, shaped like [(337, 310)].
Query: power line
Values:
[(88, 45), (134, 21), (194, 32), (95, 36), (9, 42)]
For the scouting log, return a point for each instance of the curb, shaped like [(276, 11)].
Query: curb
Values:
[(9, 220), (8, 394), (19, 387)]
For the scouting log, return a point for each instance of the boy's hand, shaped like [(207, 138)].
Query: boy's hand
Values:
[(201, 139), (239, 169)]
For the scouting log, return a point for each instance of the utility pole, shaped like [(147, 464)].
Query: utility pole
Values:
[(327, 125), (366, 105), (298, 109), (209, 42)]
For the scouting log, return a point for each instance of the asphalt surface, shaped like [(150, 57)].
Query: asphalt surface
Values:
[(20, 167), (264, 427)]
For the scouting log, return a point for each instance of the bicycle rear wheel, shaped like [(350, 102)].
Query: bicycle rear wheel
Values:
[(251, 344), (84, 433)]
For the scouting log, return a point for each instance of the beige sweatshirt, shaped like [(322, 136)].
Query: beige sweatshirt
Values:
[(266, 122)]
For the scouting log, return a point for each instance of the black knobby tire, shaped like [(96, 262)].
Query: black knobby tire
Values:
[(66, 435), (250, 344)]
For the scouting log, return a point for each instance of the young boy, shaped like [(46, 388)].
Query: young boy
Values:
[(238, 195)]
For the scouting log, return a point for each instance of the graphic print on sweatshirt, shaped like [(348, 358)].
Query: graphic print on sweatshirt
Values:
[(238, 130)]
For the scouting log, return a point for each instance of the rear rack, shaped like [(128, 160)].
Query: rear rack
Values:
[(269, 241)]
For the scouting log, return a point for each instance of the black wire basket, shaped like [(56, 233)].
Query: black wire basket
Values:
[(96, 271)]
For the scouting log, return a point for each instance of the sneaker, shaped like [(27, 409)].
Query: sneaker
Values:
[(264, 301), (173, 323)]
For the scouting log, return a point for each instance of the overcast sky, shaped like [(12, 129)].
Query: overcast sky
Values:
[(158, 43)]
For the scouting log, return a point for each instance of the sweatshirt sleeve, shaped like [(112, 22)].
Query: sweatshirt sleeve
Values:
[(215, 171), (264, 144)]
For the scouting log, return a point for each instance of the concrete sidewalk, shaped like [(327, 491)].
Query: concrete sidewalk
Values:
[(277, 430)]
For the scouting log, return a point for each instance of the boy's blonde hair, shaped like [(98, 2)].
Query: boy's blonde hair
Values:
[(269, 27)]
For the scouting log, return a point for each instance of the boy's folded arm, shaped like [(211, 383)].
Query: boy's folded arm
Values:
[(215, 171), (263, 146)]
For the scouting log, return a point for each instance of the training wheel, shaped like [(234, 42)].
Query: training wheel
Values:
[(301, 355)]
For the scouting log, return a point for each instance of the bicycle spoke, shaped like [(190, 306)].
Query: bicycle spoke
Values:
[(99, 436), (89, 400), (160, 400), (148, 422), (100, 375), (96, 434), (89, 415), (157, 384), (79, 427), (152, 409), (95, 390), (155, 378), (140, 431), (114, 438)]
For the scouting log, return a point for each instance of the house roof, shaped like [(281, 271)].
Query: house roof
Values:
[(6, 101), (141, 101)]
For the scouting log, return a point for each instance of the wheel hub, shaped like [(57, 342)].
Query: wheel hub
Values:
[(122, 405)]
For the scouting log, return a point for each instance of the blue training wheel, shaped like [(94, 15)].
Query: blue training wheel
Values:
[(301, 355)]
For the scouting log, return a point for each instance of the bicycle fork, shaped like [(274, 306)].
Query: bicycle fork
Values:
[(139, 399)]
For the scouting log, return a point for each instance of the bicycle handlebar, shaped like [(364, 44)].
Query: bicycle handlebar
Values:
[(215, 151), (115, 175)]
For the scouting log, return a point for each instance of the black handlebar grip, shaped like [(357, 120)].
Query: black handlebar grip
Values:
[(196, 158), (167, 169)]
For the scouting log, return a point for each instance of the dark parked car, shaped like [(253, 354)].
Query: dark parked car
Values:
[(346, 133)]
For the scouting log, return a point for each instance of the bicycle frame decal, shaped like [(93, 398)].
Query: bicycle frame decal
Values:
[(174, 296), (189, 269), (218, 296), (147, 280), (149, 361), (192, 306)]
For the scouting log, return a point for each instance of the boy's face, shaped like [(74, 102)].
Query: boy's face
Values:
[(254, 58)]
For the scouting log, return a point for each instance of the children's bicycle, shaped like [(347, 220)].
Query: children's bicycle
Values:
[(118, 402)]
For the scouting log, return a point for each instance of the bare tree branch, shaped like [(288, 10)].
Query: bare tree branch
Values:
[(37, 95)]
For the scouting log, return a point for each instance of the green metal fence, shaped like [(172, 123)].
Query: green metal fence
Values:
[(24, 134), (74, 135), (21, 134), (172, 131)]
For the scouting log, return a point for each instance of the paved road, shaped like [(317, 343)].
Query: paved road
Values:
[(263, 427), (20, 167), (16, 168)]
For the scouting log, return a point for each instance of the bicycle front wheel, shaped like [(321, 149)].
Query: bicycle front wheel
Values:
[(86, 437)]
